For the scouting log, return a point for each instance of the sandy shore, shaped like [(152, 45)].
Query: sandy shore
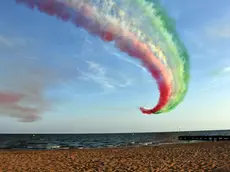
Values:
[(181, 157)]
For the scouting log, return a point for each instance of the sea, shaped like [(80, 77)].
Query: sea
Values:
[(88, 141)]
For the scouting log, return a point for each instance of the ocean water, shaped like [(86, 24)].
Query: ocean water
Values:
[(84, 141)]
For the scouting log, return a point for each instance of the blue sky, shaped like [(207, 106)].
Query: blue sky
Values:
[(96, 88)]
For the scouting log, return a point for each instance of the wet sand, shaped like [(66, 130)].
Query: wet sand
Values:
[(177, 157)]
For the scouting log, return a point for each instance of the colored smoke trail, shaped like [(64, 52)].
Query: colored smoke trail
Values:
[(157, 45), (21, 95)]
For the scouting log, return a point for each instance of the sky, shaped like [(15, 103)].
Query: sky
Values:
[(91, 87)]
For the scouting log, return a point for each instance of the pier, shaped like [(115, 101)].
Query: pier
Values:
[(205, 138)]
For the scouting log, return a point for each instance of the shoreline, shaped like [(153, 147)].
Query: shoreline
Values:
[(168, 157), (104, 147)]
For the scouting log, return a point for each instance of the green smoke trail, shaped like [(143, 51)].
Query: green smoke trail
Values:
[(167, 29), (140, 28)]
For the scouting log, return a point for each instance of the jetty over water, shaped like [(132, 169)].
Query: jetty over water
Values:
[(205, 138)]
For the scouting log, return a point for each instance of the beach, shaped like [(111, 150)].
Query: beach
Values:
[(206, 156)]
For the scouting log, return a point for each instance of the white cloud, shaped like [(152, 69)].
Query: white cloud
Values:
[(206, 37), (195, 38), (127, 60), (13, 41), (224, 72), (219, 28), (226, 69), (220, 32), (213, 36), (5, 41), (99, 74), (119, 56), (220, 80)]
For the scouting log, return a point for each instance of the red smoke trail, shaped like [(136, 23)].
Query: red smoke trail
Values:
[(6, 98), (22, 92), (85, 17), (10, 101)]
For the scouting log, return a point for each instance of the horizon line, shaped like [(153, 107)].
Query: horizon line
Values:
[(177, 131)]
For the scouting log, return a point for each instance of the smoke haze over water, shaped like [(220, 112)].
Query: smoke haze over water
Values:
[(23, 88)]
